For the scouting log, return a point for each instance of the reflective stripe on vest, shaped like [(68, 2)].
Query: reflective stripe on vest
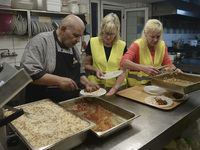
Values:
[(137, 78)]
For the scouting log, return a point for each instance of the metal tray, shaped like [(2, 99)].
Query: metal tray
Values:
[(66, 143), (125, 115), (158, 80)]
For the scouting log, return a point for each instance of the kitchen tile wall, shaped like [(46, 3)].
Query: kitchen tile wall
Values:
[(172, 29), (17, 44), (180, 29)]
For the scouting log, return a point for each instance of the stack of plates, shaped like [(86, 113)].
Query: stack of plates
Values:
[(38, 27)]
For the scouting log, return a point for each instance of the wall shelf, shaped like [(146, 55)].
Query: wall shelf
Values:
[(32, 14)]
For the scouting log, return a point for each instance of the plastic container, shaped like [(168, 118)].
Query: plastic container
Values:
[(5, 3), (193, 42), (38, 4), (83, 8), (74, 8), (66, 8), (50, 6), (22, 5), (74, 1)]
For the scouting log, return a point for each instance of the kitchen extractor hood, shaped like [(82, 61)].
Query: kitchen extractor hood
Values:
[(175, 7)]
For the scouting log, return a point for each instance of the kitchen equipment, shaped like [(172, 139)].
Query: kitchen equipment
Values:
[(15, 109), (178, 44), (83, 8), (126, 117), (190, 82), (193, 42), (13, 82), (162, 67), (5, 21), (137, 93), (178, 56), (74, 8)]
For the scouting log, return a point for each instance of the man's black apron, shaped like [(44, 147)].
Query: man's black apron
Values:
[(67, 65)]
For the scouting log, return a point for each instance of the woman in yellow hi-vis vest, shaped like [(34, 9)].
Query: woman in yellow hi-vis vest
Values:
[(146, 54), (103, 55)]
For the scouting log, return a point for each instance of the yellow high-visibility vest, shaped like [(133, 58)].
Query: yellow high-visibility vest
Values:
[(100, 62), (137, 78)]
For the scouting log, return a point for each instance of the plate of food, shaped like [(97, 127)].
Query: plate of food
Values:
[(159, 101), (111, 75), (93, 91), (154, 90)]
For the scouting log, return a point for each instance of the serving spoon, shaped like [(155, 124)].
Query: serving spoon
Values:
[(15, 109)]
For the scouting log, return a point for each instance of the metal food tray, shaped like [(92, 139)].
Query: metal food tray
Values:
[(158, 81), (126, 115), (66, 143)]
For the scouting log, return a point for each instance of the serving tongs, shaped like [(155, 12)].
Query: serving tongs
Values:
[(162, 67), (15, 109)]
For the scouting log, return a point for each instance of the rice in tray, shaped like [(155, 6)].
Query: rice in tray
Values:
[(48, 124)]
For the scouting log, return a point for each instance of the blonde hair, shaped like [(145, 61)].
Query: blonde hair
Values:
[(151, 25), (110, 23)]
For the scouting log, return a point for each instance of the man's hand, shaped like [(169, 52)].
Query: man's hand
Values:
[(67, 84)]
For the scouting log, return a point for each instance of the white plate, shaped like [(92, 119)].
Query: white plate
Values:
[(154, 90), (111, 75), (99, 92), (169, 101)]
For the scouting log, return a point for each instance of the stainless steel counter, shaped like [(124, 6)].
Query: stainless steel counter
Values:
[(152, 130)]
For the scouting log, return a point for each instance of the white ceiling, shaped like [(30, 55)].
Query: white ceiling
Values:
[(134, 1)]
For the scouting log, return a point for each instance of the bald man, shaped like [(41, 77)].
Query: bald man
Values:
[(53, 62)]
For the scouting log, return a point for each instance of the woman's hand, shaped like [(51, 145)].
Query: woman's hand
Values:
[(178, 70), (112, 91), (91, 84), (98, 73), (151, 70)]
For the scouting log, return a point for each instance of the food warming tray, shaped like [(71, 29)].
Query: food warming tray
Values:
[(66, 143), (159, 80), (124, 115)]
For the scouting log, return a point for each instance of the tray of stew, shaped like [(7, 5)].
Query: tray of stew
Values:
[(108, 117)]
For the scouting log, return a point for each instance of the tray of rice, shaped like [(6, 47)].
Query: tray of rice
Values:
[(50, 126), (108, 117), (183, 83)]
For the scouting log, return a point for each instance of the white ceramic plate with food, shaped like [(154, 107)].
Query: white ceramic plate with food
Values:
[(98, 92), (151, 100), (154, 90), (111, 75)]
